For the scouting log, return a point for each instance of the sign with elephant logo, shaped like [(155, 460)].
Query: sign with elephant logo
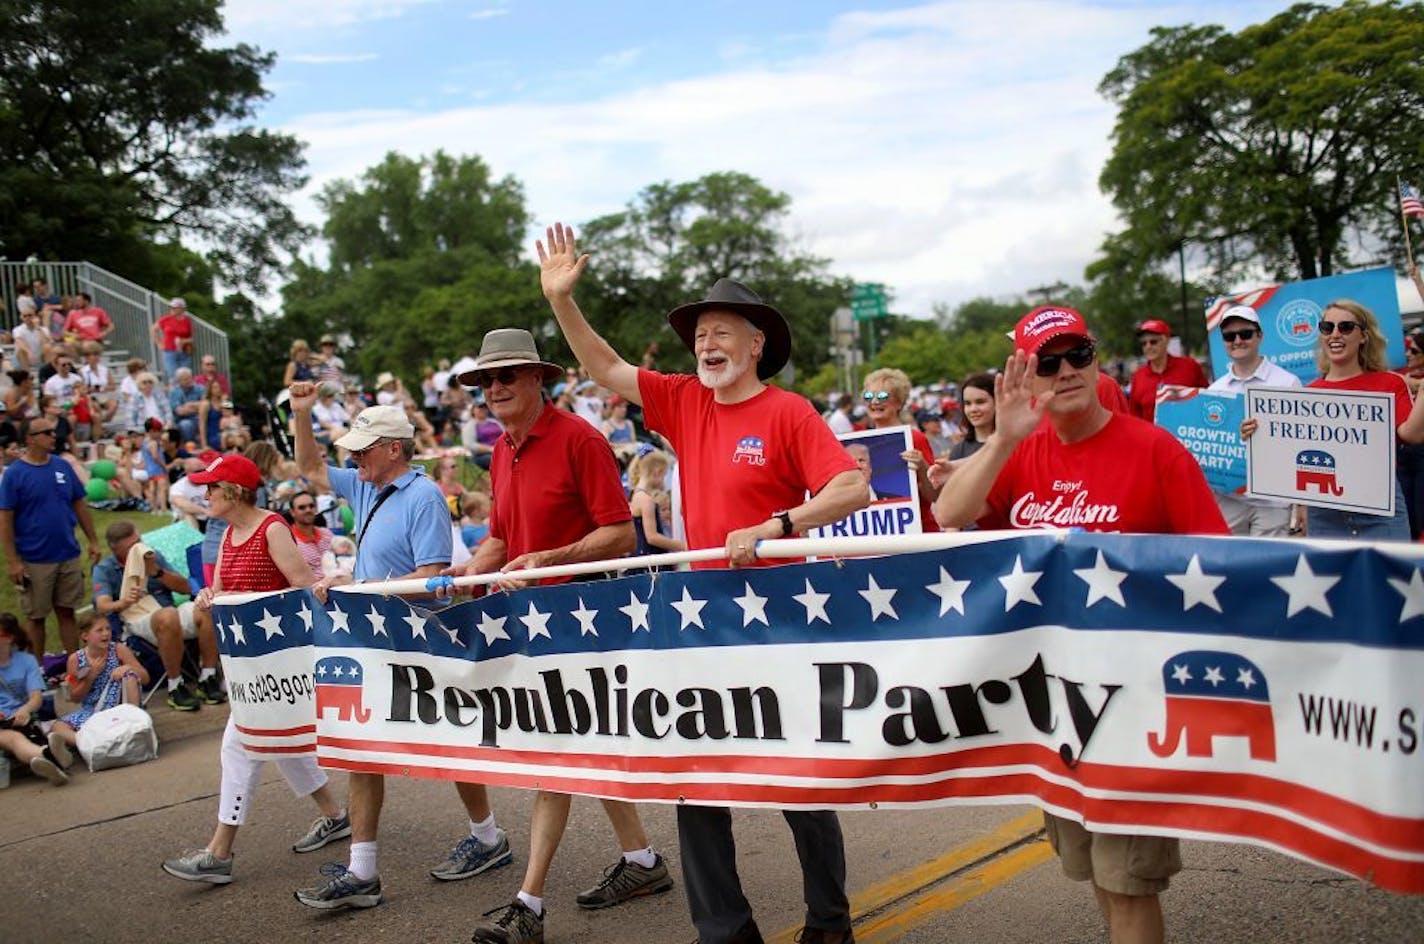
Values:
[(1326, 448), (1260, 691)]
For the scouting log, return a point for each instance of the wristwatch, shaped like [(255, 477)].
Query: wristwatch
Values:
[(785, 518)]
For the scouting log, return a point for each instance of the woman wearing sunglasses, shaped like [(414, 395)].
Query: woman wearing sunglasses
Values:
[(886, 391), (1351, 356)]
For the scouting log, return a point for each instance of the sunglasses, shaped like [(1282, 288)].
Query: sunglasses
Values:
[(879, 396), (1077, 358), (1244, 334), (1344, 327), (488, 378), (303, 507), (42, 432), (358, 453)]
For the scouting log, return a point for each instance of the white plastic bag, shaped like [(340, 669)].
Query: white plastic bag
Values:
[(117, 737)]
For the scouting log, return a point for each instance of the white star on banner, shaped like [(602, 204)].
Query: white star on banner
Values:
[(1181, 673), (1018, 585), (1196, 586), (454, 633), (949, 591), (879, 599), (753, 607), (340, 620), (1103, 582), (1307, 590), (492, 628), (321, 671), (237, 632), (585, 619), (416, 622), (1214, 676), (815, 604), (270, 624), (636, 611), (337, 672), (377, 621), (1245, 678), (306, 614), (537, 623), (1413, 592), (690, 610), (220, 629)]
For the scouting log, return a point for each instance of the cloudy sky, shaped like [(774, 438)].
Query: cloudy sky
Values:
[(946, 149)]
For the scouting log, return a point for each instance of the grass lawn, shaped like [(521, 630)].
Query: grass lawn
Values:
[(10, 594)]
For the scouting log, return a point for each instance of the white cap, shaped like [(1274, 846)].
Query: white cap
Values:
[(1244, 312), (376, 423), (177, 303)]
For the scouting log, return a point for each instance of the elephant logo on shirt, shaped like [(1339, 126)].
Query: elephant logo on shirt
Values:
[(338, 686), (1211, 695), (1316, 467)]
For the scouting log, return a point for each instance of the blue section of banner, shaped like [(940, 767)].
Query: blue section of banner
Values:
[(1290, 315), (1272, 590), (1209, 425)]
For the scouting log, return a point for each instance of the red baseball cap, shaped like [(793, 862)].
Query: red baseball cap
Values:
[(1045, 323), (1155, 326), (239, 470)]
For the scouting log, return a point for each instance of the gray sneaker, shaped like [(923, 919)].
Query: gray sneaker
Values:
[(323, 831), (513, 923), (624, 880), (200, 866), (59, 750), (340, 890), (48, 769), (471, 857)]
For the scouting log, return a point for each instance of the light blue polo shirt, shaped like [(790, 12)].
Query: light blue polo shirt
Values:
[(411, 528)]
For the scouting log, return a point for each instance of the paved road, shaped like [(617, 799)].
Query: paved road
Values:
[(81, 864)]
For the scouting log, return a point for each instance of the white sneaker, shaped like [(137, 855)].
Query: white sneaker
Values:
[(59, 749)]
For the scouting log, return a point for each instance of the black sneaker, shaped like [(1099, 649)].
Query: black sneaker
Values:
[(624, 880), (183, 698), (513, 923), (210, 691)]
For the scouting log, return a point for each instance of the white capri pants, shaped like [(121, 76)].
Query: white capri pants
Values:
[(241, 773)]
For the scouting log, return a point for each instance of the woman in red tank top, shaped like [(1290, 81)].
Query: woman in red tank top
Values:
[(258, 553)]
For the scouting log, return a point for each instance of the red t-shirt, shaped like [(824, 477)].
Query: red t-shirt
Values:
[(88, 323), (1129, 476), (248, 567), (1180, 372), (1375, 381), (921, 443), (739, 463), (1111, 396), (559, 485), (174, 327)]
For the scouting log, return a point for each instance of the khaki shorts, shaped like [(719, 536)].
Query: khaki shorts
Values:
[(50, 586), (143, 626), (1124, 865)]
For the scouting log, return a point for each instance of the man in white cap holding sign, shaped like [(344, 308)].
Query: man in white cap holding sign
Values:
[(1241, 334), (412, 540)]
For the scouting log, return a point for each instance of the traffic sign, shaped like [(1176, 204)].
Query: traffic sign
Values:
[(868, 300)]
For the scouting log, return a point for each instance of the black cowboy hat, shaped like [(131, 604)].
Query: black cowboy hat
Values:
[(729, 295)]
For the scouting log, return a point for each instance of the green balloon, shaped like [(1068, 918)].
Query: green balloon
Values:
[(348, 518), (104, 469), (97, 489)]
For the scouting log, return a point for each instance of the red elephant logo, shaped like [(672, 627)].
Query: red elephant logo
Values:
[(338, 686), (1211, 695), (1316, 467)]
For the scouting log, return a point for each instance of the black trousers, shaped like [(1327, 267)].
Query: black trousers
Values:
[(714, 891)]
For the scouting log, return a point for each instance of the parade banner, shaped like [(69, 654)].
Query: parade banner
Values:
[(1208, 423), (1212, 688), (1290, 312), (1327, 448), (894, 494)]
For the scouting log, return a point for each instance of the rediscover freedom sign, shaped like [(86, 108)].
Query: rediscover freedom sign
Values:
[(1200, 687)]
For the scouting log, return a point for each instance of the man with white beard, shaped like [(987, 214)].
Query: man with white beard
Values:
[(748, 454)]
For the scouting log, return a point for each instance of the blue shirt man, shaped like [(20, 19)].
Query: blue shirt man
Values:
[(108, 580), (183, 398)]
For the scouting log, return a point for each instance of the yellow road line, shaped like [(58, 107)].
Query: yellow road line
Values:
[(905, 890)]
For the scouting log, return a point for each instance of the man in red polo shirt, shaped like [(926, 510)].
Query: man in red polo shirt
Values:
[(1161, 368), (747, 455), (88, 321), (558, 499), (1086, 467)]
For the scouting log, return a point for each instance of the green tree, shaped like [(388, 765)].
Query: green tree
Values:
[(122, 123), (674, 240), (425, 256), (928, 353), (1275, 147)]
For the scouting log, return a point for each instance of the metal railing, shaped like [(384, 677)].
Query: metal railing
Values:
[(133, 308)]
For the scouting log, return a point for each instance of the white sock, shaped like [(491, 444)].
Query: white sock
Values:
[(534, 904), (647, 858), (485, 830), (363, 860), (205, 674), (173, 683)]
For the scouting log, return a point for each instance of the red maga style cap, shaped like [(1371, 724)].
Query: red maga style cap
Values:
[(1042, 325), (239, 470), (1155, 326)]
